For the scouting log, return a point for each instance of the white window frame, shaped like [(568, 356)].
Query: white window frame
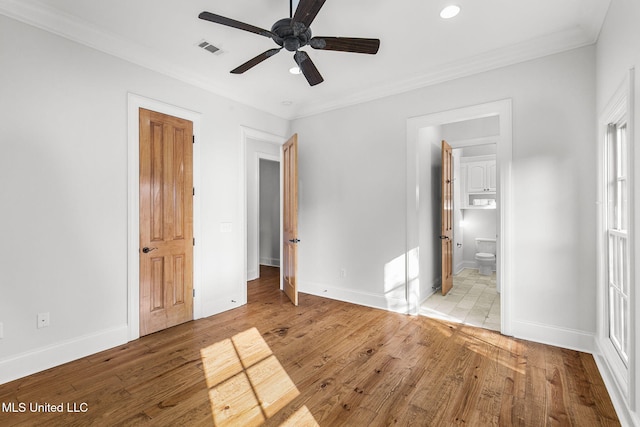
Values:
[(618, 111)]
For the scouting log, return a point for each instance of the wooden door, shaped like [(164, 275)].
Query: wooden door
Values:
[(290, 219), (446, 228), (166, 221)]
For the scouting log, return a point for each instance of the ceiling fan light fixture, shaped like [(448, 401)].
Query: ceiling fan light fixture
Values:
[(450, 11), (293, 33)]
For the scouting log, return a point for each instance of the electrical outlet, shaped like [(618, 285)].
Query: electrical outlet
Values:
[(43, 320), (343, 273)]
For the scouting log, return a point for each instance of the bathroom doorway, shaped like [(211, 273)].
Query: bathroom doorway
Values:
[(477, 125), (474, 298)]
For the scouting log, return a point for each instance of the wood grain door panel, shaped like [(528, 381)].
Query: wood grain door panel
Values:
[(446, 227), (166, 221), (290, 219)]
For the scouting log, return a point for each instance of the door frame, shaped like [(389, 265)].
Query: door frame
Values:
[(135, 102), (504, 157), (247, 133)]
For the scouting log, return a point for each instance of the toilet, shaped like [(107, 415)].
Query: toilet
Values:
[(486, 255)]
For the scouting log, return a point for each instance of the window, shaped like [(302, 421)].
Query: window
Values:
[(617, 230)]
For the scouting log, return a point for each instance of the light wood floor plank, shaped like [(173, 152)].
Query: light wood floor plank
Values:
[(324, 363)]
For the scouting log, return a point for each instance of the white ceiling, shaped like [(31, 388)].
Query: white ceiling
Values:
[(417, 47)]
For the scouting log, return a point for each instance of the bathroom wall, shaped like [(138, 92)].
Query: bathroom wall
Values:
[(458, 229), (477, 223)]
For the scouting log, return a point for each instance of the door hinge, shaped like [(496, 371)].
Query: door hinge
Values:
[(194, 241), (194, 191), (193, 139), (194, 293)]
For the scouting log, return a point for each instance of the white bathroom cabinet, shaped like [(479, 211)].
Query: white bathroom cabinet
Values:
[(480, 182)]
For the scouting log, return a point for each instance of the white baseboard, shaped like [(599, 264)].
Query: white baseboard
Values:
[(559, 337), (271, 262), (389, 303), (472, 265), (213, 307), (616, 381), (57, 354), (625, 415)]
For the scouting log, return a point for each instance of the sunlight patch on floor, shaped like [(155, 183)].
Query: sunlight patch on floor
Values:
[(247, 384)]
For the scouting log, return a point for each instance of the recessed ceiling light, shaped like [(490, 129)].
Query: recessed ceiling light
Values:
[(287, 103), (295, 70), (449, 11)]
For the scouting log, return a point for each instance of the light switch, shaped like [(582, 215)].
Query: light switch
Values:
[(226, 227)]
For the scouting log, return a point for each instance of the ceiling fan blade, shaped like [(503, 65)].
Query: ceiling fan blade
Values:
[(307, 10), (255, 61), (207, 16), (346, 44), (308, 68)]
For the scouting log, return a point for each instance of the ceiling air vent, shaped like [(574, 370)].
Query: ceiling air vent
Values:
[(209, 47)]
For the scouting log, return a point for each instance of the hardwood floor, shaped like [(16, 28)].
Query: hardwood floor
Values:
[(323, 363)]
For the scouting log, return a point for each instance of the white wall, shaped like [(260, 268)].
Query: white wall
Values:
[(430, 208), (467, 129), (63, 175), (477, 223), (458, 214), (617, 52), (355, 172)]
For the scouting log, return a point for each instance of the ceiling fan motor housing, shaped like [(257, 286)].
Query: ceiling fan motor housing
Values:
[(292, 36)]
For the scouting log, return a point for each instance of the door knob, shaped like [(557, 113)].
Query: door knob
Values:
[(147, 250), (294, 240), (444, 238)]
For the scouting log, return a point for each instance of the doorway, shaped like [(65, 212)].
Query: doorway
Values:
[(262, 158), (423, 219), (263, 209), (475, 297)]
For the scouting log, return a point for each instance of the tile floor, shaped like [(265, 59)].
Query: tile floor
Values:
[(473, 301)]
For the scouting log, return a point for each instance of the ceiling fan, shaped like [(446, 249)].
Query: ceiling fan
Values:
[(294, 33)]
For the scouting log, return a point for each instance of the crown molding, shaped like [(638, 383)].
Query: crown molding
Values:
[(72, 28), (490, 60)]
